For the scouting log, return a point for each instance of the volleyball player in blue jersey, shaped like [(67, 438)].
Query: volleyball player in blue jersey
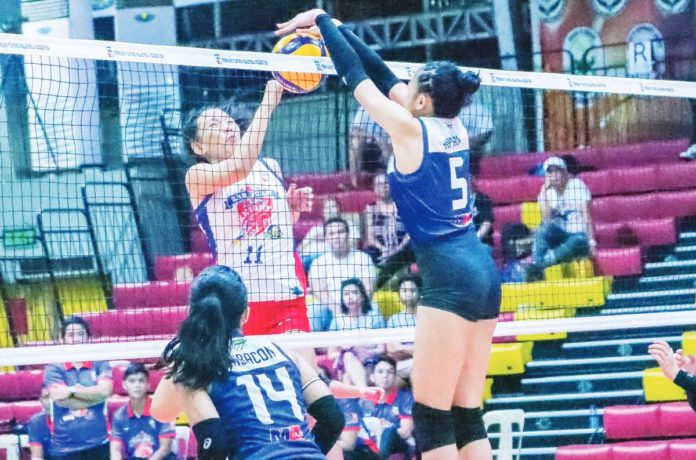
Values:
[(429, 178), (245, 397)]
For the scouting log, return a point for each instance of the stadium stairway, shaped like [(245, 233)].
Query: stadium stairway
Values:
[(568, 383)]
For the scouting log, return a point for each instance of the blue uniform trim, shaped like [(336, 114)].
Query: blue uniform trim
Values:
[(202, 215)]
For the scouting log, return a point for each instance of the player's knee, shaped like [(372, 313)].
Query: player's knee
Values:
[(468, 425), (432, 428)]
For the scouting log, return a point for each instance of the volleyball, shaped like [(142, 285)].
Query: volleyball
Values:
[(300, 44)]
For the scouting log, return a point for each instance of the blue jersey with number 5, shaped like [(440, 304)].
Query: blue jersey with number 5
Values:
[(435, 200), (261, 404)]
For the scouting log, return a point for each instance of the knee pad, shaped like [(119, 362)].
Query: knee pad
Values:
[(468, 425), (432, 428)]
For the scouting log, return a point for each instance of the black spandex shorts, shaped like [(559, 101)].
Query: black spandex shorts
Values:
[(459, 276)]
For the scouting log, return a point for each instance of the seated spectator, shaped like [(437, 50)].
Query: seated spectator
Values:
[(38, 428), (134, 433), (566, 231), (391, 432), (409, 294), (677, 367), (340, 263), (314, 244), (78, 393), (517, 251), (690, 152), (384, 233), (357, 312)]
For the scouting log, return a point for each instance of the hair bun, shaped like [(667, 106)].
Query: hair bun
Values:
[(469, 81)]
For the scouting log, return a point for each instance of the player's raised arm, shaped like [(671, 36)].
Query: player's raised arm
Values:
[(213, 137)]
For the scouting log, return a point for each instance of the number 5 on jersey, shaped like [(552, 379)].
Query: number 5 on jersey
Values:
[(458, 183)]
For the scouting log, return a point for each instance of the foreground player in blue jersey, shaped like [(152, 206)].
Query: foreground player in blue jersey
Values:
[(245, 397), (429, 178)]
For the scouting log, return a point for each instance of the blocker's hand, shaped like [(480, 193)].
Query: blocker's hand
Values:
[(665, 357), (303, 20)]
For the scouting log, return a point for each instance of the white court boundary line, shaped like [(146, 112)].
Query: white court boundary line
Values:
[(153, 349), (202, 57)]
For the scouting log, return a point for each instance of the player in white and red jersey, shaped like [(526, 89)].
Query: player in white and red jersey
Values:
[(247, 214)]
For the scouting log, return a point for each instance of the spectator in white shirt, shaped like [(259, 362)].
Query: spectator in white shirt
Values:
[(565, 232)]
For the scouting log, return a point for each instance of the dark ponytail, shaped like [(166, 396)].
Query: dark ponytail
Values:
[(449, 87), (200, 353)]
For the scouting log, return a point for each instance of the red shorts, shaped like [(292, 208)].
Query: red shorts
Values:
[(277, 317)]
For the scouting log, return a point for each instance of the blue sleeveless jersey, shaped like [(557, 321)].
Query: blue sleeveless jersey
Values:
[(261, 404), (435, 201)]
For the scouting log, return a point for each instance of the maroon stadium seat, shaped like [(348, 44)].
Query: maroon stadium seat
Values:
[(505, 214), (676, 419), (515, 189), (355, 200), (321, 182), (619, 262), (683, 449), (136, 323), (21, 385), (641, 450), (584, 452), (677, 204), (304, 225), (24, 410), (676, 176), (633, 180), (166, 266), (598, 182), (151, 294), (631, 422), (625, 208), (199, 242), (648, 232)]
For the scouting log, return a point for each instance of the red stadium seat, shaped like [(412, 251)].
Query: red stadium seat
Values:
[(167, 266), (136, 323), (598, 182), (619, 262), (676, 176), (6, 414), (24, 410), (676, 419), (21, 385), (355, 200), (648, 232), (677, 204), (633, 180), (641, 450), (151, 294), (631, 422), (584, 452), (683, 449), (514, 189), (321, 182), (626, 208), (505, 214), (303, 226)]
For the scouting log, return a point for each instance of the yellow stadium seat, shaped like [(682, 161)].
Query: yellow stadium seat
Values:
[(81, 295), (689, 342), (487, 389), (542, 337), (182, 419), (657, 387), (388, 302), (532, 313), (531, 214), (589, 292), (509, 358), (580, 268)]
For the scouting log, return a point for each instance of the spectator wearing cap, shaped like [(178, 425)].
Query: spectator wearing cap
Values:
[(39, 428), (135, 434), (78, 393), (565, 232)]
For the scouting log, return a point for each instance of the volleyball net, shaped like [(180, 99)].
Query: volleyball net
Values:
[(97, 221)]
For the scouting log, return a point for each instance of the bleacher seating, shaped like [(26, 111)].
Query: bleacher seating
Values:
[(680, 449), (150, 294)]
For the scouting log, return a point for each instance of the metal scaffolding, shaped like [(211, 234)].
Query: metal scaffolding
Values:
[(470, 23)]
